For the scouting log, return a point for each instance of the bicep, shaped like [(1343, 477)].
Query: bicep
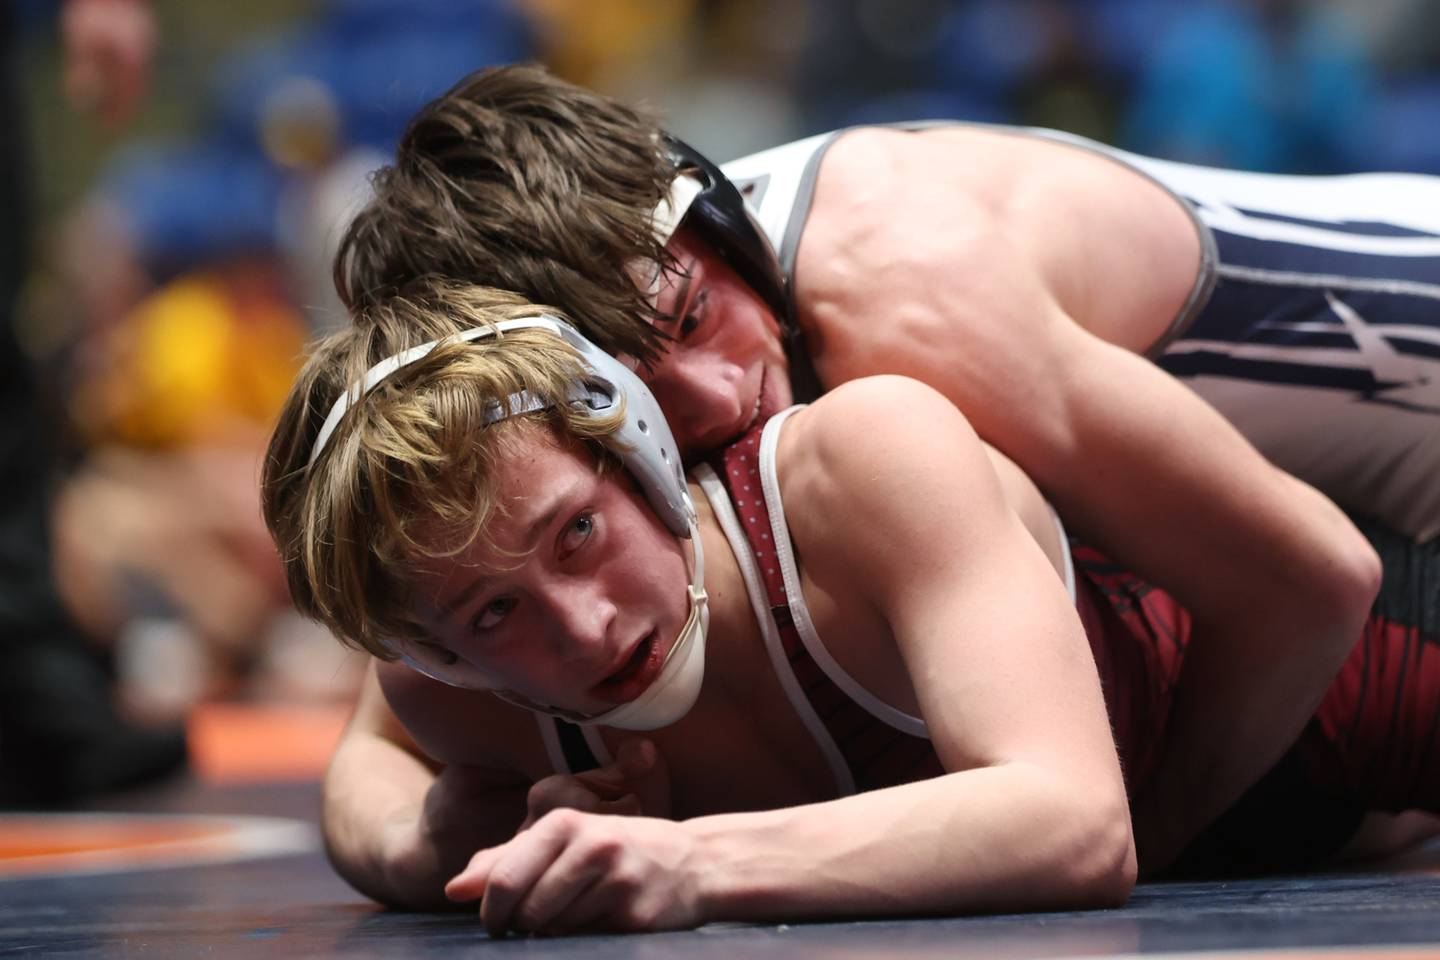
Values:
[(376, 748)]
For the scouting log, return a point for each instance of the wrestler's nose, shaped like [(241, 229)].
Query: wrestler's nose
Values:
[(582, 616), (702, 401)]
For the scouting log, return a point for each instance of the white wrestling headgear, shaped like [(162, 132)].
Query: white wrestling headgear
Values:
[(646, 447)]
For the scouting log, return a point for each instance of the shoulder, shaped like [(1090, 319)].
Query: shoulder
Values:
[(889, 417), (909, 163), (889, 452), (869, 169), (892, 499), (910, 256)]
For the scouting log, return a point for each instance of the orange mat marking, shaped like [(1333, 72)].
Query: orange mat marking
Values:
[(1376, 952), (44, 836), (71, 843), (248, 743)]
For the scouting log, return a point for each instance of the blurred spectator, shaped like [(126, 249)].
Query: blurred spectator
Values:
[(604, 43), (297, 118), (869, 61), (991, 61), (163, 519), (1405, 34), (60, 736), (162, 551), (1272, 85), (109, 46)]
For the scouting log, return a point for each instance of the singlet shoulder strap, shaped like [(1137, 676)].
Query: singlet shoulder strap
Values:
[(730, 524), (873, 753), (795, 595)]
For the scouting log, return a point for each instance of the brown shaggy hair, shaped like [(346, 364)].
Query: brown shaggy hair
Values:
[(408, 473), (518, 180)]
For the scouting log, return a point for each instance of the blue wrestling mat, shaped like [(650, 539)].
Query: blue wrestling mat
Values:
[(244, 876)]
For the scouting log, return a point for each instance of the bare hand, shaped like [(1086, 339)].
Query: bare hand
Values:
[(575, 871), (108, 48), (636, 782)]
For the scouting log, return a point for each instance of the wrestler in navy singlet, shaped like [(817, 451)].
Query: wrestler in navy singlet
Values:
[(1313, 324), (1368, 746)]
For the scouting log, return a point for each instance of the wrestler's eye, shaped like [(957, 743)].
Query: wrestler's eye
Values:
[(493, 613), (692, 320), (577, 532)]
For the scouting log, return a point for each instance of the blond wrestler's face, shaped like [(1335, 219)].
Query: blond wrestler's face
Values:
[(575, 596)]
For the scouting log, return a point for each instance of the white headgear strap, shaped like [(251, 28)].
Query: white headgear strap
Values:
[(672, 209)]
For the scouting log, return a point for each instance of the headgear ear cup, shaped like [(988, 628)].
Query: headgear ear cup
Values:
[(453, 673), (644, 442), (721, 218), (720, 215)]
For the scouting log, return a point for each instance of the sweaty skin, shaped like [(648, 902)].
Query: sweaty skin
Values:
[(1010, 231), (1011, 699)]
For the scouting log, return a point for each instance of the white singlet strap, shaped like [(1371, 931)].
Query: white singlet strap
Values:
[(1068, 573), (551, 738), (719, 499), (799, 611)]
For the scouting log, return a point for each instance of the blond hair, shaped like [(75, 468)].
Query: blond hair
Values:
[(409, 473)]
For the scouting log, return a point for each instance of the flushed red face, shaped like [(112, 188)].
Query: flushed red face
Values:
[(580, 592), (725, 369)]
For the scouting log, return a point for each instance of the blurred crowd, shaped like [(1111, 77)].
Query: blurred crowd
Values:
[(174, 279)]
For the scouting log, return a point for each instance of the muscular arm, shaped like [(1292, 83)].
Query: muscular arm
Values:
[(399, 824), (1278, 581), (1033, 813), (396, 824)]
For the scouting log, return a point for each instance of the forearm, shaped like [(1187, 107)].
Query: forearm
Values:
[(374, 795), (1276, 578), (1247, 688), (1010, 837), (394, 830)]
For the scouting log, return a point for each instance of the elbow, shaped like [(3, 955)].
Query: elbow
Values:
[(1095, 865), (1348, 584), (1119, 868), (1364, 574), (1327, 589), (1105, 871)]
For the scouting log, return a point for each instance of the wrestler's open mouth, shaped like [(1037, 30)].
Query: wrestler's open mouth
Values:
[(635, 674), (759, 403)]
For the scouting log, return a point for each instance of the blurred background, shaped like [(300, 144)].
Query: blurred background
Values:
[(181, 220)]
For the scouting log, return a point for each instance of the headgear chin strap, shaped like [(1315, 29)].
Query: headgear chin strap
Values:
[(646, 447), (675, 690)]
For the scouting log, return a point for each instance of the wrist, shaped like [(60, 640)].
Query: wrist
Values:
[(737, 866), (408, 867), (704, 865)]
